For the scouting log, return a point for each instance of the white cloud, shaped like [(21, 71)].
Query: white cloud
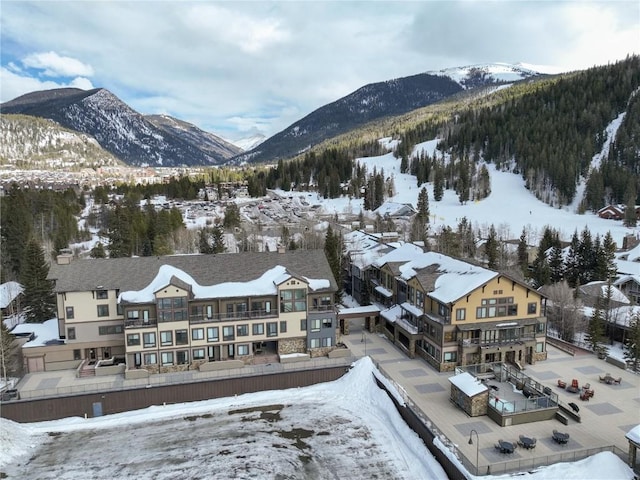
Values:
[(55, 65), (15, 84)]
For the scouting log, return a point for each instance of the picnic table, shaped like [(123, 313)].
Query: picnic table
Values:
[(505, 447), (527, 442), (609, 380), (560, 437)]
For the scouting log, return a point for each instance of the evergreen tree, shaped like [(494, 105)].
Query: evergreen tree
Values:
[(204, 243), (523, 255), (595, 328), (423, 205), (556, 264), (97, 251), (119, 233), (631, 349), (491, 249), (39, 298), (464, 182), (630, 219), (571, 264), (466, 238), (541, 274), (609, 256), (231, 216), (586, 257), (438, 183), (333, 253), (217, 235)]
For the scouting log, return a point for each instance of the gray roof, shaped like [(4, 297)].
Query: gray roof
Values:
[(137, 272)]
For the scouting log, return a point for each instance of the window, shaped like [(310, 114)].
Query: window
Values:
[(314, 343), (103, 310), (272, 329), (450, 356), (71, 333), (315, 324), (77, 355), (110, 330), (172, 309), (230, 351), (102, 294), (283, 327), (70, 313), (227, 334), (137, 359), (532, 308), (197, 312), (326, 342), (198, 354), (327, 323), (243, 330), (166, 338), (243, 349), (166, 358), (303, 324), (133, 339), (182, 357), (213, 334), (182, 337), (258, 328), (540, 327), (197, 334), (539, 347), (149, 339), (150, 358), (461, 314), (133, 314), (293, 300)]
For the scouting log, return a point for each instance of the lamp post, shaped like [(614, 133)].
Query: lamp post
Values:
[(477, 447)]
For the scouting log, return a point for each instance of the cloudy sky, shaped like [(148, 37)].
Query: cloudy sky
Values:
[(233, 68)]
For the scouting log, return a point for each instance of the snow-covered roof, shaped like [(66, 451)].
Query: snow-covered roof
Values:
[(602, 289), (42, 332), (403, 253), (634, 435), (455, 278), (8, 293), (267, 284), (413, 310), (356, 310), (468, 384), (394, 209)]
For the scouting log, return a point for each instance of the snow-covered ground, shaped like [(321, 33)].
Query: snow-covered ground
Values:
[(348, 428)]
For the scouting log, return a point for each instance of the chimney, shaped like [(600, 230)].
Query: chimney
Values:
[(281, 249), (65, 257)]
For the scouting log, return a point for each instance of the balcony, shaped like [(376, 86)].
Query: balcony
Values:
[(476, 342), (232, 316), (139, 322), (321, 308)]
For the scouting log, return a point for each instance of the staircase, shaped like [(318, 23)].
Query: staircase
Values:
[(86, 370)]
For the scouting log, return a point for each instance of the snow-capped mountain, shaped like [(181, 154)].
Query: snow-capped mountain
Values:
[(473, 76), (251, 142), (119, 129)]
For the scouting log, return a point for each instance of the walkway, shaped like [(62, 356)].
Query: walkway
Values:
[(610, 414)]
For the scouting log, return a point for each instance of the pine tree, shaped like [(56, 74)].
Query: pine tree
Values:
[(595, 328), (571, 264), (491, 248), (97, 251), (119, 233), (231, 216), (523, 255), (609, 254), (39, 298), (333, 253), (438, 183), (631, 349), (217, 235), (556, 264)]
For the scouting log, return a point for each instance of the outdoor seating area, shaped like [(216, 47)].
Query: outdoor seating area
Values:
[(586, 392), (609, 380), (506, 447), (527, 442), (560, 437)]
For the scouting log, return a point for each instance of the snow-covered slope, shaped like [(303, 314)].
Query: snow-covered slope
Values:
[(473, 76), (251, 142)]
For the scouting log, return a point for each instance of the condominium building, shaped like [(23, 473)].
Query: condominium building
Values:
[(175, 313)]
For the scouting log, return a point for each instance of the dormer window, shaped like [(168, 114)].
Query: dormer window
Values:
[(102, 294)]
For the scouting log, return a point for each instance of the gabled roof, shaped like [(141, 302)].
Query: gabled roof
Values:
[(134, 274), (450, 278)]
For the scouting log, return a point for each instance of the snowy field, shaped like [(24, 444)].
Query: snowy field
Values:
[(343, 429), (346, 429)]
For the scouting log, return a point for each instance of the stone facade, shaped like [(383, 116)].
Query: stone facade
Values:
[(474, 406), (292, 345)]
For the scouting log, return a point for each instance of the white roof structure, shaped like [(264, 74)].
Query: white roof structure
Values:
[(634, 435), (468, 384)]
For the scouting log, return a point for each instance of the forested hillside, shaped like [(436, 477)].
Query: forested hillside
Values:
[(550, 130)]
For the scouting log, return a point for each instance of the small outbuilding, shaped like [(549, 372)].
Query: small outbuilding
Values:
[(470, 394), (633, 436)]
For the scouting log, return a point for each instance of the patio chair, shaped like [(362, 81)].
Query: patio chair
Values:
[(617, 381)]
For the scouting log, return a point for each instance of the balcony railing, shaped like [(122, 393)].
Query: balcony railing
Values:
[(231, 316), (320, 308), (140, 322), (477, 342)]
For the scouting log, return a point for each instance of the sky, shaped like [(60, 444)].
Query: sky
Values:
[(240, 68), (354, 416)]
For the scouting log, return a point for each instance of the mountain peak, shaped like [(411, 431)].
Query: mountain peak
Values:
[(472, 76)]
